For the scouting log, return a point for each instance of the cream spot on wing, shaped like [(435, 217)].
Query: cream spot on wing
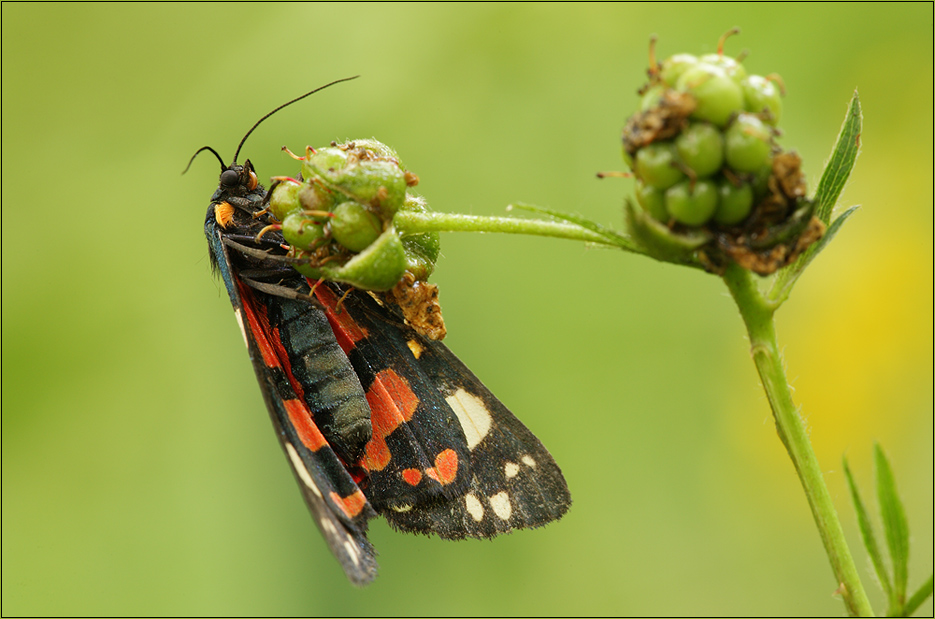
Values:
[(415, 347), (352, 551), (511, 469), (299, 467), (473, 415), (500, 503), (243, 331), (329, 528), (528, 461), (402, 509), (474, 507)]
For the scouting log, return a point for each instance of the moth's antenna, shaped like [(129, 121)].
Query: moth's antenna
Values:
[(257, 124), (223, 167), (239, 146)]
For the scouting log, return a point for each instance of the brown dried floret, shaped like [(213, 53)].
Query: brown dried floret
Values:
[(662, 121), (419, 304)]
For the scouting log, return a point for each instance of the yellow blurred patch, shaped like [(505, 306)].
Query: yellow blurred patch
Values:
[(857, 345)]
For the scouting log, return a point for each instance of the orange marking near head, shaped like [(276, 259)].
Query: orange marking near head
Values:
[(392, 403), (301, 420), (350, 505), (223, 214), (346, 330), (446, 467), (412, 476)]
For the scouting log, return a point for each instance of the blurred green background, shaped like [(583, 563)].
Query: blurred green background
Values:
[(140, 472)]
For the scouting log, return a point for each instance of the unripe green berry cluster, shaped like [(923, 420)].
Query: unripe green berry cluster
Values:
[(701, 146), (338, 217)]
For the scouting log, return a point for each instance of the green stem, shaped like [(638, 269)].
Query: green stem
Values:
[(758, 316), (413, 222)]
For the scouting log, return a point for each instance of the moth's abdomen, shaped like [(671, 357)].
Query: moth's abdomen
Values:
[(329, 384)]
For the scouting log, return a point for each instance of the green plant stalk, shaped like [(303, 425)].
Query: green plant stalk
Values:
[(408, 222), (757, 314)]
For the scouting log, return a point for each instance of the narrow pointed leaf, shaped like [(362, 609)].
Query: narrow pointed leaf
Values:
[(866, 532), (839, 166), (787, 277), (918, 598), (894, 522)]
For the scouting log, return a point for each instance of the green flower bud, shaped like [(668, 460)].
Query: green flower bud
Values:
[(422, 248), (354, 227), (747, 144), (653, 201), (674, 66), (717, 95), (330, 159), (361, 174), (731, 67), (285, 199), (692, 206), (734, 203), (762, 95), (701, 148), (656, 165), (379, 267), (315, 197), (301, 231)]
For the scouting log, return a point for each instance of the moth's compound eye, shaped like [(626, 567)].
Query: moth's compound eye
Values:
[(229, 178)]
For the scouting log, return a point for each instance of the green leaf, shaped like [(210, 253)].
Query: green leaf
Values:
[(787, 277), (613, 237), (839, 166), (832, 182), (866, 532), (918, 598), (894, 523)]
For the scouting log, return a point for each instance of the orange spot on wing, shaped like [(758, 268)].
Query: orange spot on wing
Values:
[(346, 330), (392, 403), (412, 476), (306, 429), (446, 467), (350, 505)]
